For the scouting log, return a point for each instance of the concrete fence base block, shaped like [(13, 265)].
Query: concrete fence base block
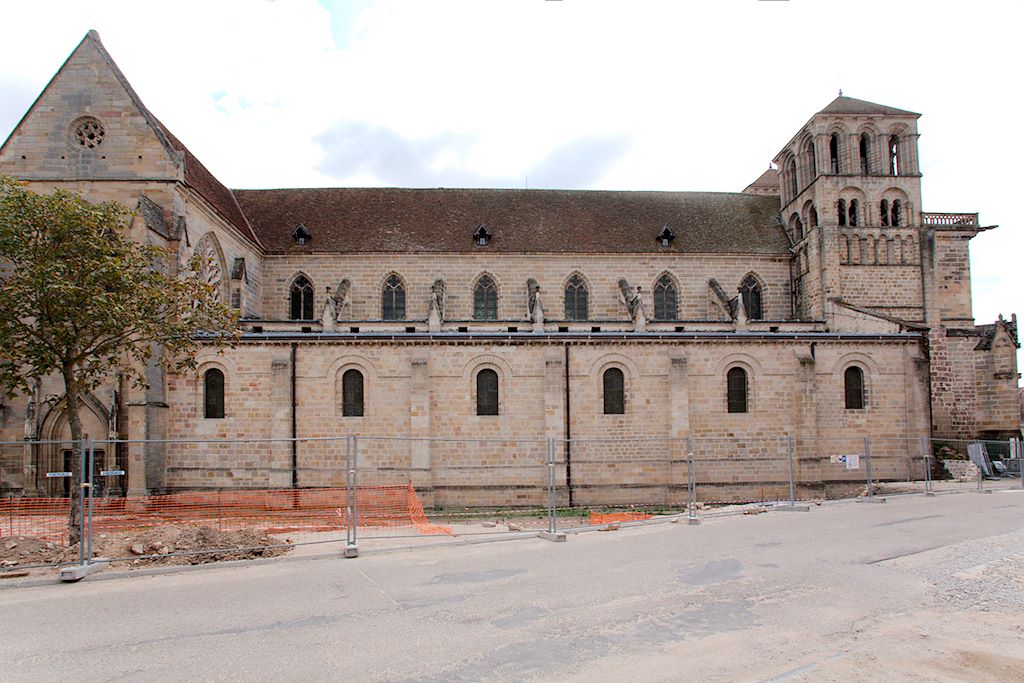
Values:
[(873, 499), (80, 571), (929, 494), (351, 550), (693, 521), (984, 491), (792, 508), (556, 536)]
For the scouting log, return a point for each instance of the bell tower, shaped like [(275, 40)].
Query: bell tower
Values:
[(850, 199)]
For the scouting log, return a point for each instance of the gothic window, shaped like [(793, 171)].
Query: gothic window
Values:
[(665, 299), (487, 392), (894, 155), (352, 393), (896, 217), (750, 290), (865, 165), (736, 390), (841, 212), (301, 299), (883, 211), (576, 299), (833, 152), (614, 392), (213, 393), (393, 299), (485, 299), (853, 217), (853, 380)]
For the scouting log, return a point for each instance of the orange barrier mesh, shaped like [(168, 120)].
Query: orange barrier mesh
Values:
[(43, 518), (598, 518), (271, 511)]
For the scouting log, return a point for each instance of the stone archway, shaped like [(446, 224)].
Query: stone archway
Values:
[(54, 453)]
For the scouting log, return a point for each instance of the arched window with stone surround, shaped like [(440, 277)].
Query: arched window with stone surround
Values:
[(352, 393), (792, 179), (393, 299), (750, 290), (213, 393), (833, 153), (896, 215), (853, 383), (853, 218), (736, 390), (487, 392), (883, 211), (864, 149), (485, 299), (841, 212), (812, 162), (665, 298), (614, 388), (576, 296), (300, 299), (894, 155)]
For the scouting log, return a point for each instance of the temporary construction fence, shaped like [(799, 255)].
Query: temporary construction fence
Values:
[(378, 489)]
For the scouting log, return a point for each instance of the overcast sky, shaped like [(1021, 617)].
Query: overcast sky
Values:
[(585, 94)]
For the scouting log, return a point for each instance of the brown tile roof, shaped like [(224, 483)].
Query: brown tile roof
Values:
[(851, 105), (767, 184), (559, 221)]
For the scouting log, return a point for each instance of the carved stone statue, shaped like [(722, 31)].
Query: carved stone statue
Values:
[(343, 301), (723, 307), (534, 307), (327, 319), (30, 421), (436, 314), (115, 401), (633, 300), (741, 311)]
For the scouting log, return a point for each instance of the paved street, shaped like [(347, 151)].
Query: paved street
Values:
[(913, 589)]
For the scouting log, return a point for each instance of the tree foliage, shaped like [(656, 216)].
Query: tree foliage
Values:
[(80, 299)]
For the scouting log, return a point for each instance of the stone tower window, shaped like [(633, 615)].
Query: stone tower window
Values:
[(854, 211), (301, 299), (894, 155), (352, 393), (841, 212), (883, 211), (865, 165), (896, 216), (88, 133), (791, 180), (614, 392), (736, 390), (213, 393), (487, 392), (750, 290), (665, 298), (576, 296), (393, 299), (485, 299), (853, 380), (833, 152), (812, 217)]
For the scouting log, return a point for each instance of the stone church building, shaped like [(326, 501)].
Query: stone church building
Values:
[(822, 300)]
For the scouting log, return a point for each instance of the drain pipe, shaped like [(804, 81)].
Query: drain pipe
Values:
[(568, 430), (295, 445)]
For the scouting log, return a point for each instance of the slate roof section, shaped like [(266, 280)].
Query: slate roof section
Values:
[(851, 105), (766, 184), (394, 220)]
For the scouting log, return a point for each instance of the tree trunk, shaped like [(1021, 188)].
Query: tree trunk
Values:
[(73, 402)]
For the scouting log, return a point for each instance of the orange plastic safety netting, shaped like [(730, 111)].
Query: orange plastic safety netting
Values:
[(272, 511), (598, 518)]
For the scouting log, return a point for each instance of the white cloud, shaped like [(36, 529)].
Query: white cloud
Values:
[(700, 95)]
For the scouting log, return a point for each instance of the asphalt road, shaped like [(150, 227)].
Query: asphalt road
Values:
[(913, 589)]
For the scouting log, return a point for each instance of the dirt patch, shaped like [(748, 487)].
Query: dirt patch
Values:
[(162, 545)]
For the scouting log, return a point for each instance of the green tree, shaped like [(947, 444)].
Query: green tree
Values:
[(81, 300)]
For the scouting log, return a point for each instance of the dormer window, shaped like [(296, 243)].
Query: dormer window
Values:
[(301, 235), (481, 236), (666, 236)]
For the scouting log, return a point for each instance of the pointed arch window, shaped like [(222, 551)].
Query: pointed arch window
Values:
[(864, 148), (614, 385), (736, 390), (841, 212), (213, 393), (485, 299), (894, 155), (883, 211), (833, 152), (665, 298), (853, 380), (487, 392), (352, 393), (576, 296), (393, 299), (750, 290), (301, 299), (854, 216)]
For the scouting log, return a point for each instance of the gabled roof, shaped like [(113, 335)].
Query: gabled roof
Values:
[(766, 184), (560, 221), (196, 174), (851, 105)]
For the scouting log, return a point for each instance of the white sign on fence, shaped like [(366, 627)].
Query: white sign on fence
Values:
[(111, 473), (54, 475), (851, 461)]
